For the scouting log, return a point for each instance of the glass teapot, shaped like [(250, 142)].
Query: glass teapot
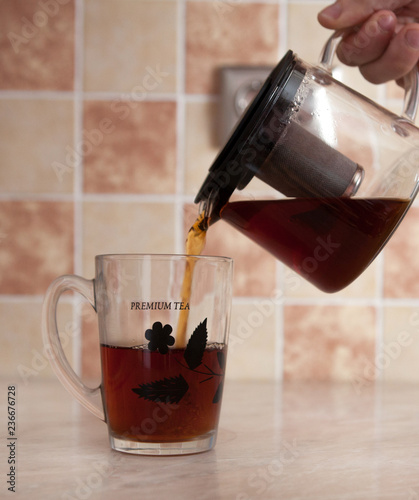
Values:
[(315, 173)]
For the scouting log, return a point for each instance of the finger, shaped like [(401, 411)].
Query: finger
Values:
[(370, 41), (398, 60), (348, 13)]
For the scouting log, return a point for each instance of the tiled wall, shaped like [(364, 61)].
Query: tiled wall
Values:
[(108, 119)]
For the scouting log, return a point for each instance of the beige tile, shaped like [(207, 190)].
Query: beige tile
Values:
[(328, 342), (215, 36), (395, 106), (306, 37), (36, 245), (401, 264), (398, 359), (352, 78), (251, 349), (36, 45), (129, 147), (202, 147), (200, 143), (36, 138), (394, 91), (395, 101), (354, 134), (254, 268), (23, 357), (130, 46), (365, 286), (115, 227)]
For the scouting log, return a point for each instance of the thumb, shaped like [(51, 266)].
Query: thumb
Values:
[(348, 13)]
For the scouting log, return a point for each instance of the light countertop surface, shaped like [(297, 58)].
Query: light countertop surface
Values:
[(276, 441)]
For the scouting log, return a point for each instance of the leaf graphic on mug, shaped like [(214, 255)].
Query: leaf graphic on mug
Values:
[(167, 390), (221, 359), (219, 392), (196, 345)]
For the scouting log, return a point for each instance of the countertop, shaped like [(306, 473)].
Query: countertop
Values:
[(276, 441)]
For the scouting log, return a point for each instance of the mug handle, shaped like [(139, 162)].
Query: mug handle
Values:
[(411, 80), (89, 397)]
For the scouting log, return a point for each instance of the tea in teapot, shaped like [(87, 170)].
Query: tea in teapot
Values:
[(326, 175)]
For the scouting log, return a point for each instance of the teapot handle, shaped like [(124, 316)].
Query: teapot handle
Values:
[(411, 80)]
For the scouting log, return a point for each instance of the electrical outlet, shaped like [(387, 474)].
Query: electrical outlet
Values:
[(239, 86)]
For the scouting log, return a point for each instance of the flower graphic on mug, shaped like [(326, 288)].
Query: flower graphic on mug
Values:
[(172, 389), (159, 337)]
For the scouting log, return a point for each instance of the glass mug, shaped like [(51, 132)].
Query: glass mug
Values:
[(163, 328)]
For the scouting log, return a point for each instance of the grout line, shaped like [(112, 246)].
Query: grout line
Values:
[(280, 325), (107, 95), (95, 95), (36, 196), (305, 2), (232, 3), (24, 299), (180, 128), (103, 96), (78, 174), (130, 198), (99, 197), (335, 301), (78, 136), (85, 95), (201, 98), (379, 321), (37, 94), (320, 300), (128, 97), (367, 302)]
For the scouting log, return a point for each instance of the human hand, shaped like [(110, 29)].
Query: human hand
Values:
[(382, 37)]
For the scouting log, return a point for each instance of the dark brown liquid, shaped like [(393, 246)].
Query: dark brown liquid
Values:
[(329, 241), (133, 417)]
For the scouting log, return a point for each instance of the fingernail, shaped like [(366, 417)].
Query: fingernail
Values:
[(412, 38), (333, 11), (386, 22)]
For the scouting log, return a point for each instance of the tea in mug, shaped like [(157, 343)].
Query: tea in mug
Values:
[(154, 397)]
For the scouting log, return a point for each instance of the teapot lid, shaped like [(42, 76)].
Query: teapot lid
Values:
[(234, 167)]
